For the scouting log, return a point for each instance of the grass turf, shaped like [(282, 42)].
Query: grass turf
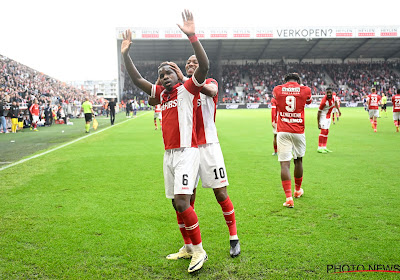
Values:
[(96, 209)]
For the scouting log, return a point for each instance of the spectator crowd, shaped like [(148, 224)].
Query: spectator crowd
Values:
[(245, 83)]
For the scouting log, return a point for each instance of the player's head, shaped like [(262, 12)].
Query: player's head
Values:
[(167, 76), (329, 93), (191, 65), (373, 90), (36, 101), (87, 98), (292, 77)]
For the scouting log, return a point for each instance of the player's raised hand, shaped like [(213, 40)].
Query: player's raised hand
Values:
[(188, 23), (126, 43), (176, 69)]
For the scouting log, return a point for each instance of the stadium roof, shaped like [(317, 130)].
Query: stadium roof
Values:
[(259, 49)]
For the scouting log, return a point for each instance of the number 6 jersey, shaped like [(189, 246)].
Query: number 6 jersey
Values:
[(291, 99)]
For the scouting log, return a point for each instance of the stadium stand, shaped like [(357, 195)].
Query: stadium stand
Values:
[(254, 82), (23, 84)]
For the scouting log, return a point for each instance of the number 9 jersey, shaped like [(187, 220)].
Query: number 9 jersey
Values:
[(291, 99)]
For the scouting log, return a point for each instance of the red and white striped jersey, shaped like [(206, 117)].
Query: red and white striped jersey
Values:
[(157, 108), (373, 101), (178, 108), (326, 106), (396, 103), (205, 117)]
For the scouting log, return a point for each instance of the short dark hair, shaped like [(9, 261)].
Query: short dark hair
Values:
[(329, 89), (163, 64), (292, 76)]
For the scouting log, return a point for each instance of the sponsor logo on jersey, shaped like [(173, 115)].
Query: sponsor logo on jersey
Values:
[(295, 90), (169, 105)]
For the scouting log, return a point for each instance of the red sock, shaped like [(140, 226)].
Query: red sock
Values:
[(375, 124), (371, 121), (160, 123), (297, 183), (275, 148), (287, 187), (182, 228), (320, 141), (396, 123), (229, 215), (155, 122), (326, 137), (192, 225)]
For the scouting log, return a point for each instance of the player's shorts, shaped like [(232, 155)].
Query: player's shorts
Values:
[(325, 123), (291, 145), (157, 116), (373, 113), (396, 116), (212, 171), (88, 117), (35, 119), (335, 111), (180, 167), (383, 106)]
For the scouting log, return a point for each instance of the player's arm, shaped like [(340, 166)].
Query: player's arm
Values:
[(337, 107), (321, 107), (319, 118), (137, 79), (309, 97), (273, 115), (208, 89), (189, 29)]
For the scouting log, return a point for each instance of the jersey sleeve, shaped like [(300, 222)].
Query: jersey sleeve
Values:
[(322, 104), (193, 86), (214, 82), (309, 97), (156, 92)]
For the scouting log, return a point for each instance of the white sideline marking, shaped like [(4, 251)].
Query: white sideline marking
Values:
[(66, 144)]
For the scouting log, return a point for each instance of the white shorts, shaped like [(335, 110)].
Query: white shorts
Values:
[(181, 167), (335, 111), (212, 171), (291, 145), (396, 116), (157, 116), (325, 123), (35, 119), (373, 113)]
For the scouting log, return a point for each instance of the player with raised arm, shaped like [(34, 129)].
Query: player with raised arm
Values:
[(328, 103), (291, 99), (373, 101), (181, 157), (212, 171), (396, 109), (274, 115)]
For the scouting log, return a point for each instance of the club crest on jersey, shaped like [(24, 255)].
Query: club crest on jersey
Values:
[(169, 104)]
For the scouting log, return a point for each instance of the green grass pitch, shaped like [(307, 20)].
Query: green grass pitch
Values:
[(96, 209)]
